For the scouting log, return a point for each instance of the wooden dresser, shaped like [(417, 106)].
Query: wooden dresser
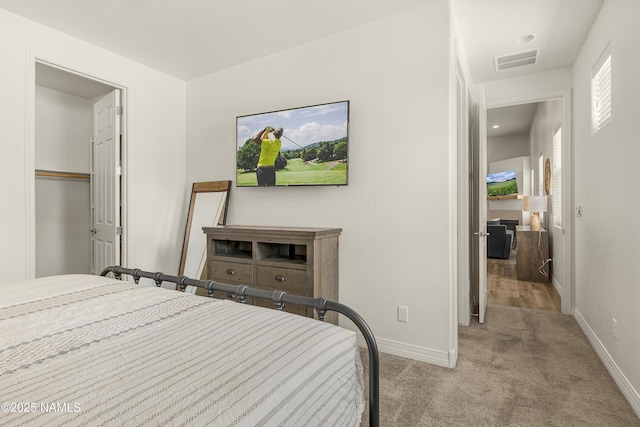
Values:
[(532, 252), (296, 260)]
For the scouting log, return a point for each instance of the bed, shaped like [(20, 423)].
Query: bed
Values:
[(95, 350)]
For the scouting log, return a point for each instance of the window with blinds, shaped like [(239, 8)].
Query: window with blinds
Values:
[(540, 175), (541, 182), (556, 180), (601, 91)]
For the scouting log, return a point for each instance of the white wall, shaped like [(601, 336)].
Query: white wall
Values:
[(527, 88), (157, 190), (507, 147), (63, 221), (63, 130), (64, 126), (547, 119), (395, 248), (607, 235)]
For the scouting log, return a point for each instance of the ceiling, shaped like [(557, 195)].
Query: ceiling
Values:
[(189, 42), (63, 81), (493, 28), (189, 39), (512, 120)]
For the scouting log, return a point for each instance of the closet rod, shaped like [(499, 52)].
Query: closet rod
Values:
[(58, 174)]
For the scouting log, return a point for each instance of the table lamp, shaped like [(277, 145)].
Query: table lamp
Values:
[(535, 205)]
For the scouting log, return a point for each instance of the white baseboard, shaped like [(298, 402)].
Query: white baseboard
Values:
[(410, 351), (623, 383)]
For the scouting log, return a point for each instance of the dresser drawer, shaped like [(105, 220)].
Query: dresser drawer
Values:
[(283, 279), (287, 280), (232, 273)]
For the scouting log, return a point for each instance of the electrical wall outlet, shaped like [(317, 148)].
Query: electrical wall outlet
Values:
[(615, 328), (403, 313)]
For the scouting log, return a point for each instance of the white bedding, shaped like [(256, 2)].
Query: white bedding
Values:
[(86, 350)]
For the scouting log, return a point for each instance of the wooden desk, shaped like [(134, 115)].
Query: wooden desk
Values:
[(532, 252)]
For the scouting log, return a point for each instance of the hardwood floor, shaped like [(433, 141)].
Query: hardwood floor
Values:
[(505, 289)]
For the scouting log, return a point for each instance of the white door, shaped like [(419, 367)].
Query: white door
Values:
[(464, 194), (482, 211), (105, 185)]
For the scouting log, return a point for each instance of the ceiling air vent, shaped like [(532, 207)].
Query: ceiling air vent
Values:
[(515, 60)]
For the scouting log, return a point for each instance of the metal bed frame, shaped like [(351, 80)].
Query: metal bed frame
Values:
[(280, 299)]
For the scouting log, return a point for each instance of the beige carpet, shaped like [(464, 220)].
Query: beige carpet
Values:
[(521, 368)]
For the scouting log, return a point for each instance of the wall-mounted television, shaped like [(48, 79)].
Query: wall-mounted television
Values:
[(303, 146), (502, 183)]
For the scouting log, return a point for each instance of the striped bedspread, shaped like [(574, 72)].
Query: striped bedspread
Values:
[(82, 350)]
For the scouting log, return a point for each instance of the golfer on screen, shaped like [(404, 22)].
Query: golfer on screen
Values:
[(269, 149)]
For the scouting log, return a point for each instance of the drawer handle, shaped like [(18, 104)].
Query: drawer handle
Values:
[(280, 278), (230, 271)]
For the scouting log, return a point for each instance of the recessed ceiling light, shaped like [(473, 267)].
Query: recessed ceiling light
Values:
[(526, 39), (496, 126)]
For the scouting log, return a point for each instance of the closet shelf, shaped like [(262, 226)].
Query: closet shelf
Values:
[(60, 174)]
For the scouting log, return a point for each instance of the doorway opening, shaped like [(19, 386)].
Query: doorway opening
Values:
[(546, 284), (63, 178)]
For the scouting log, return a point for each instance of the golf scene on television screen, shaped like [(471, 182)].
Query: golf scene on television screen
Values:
[(298, 146), (502, 183)]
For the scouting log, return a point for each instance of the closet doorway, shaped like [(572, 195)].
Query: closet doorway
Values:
[(75, 189)]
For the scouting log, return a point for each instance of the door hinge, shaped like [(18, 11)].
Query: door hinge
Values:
[(119, 230), (119, 110), (119, 170)]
